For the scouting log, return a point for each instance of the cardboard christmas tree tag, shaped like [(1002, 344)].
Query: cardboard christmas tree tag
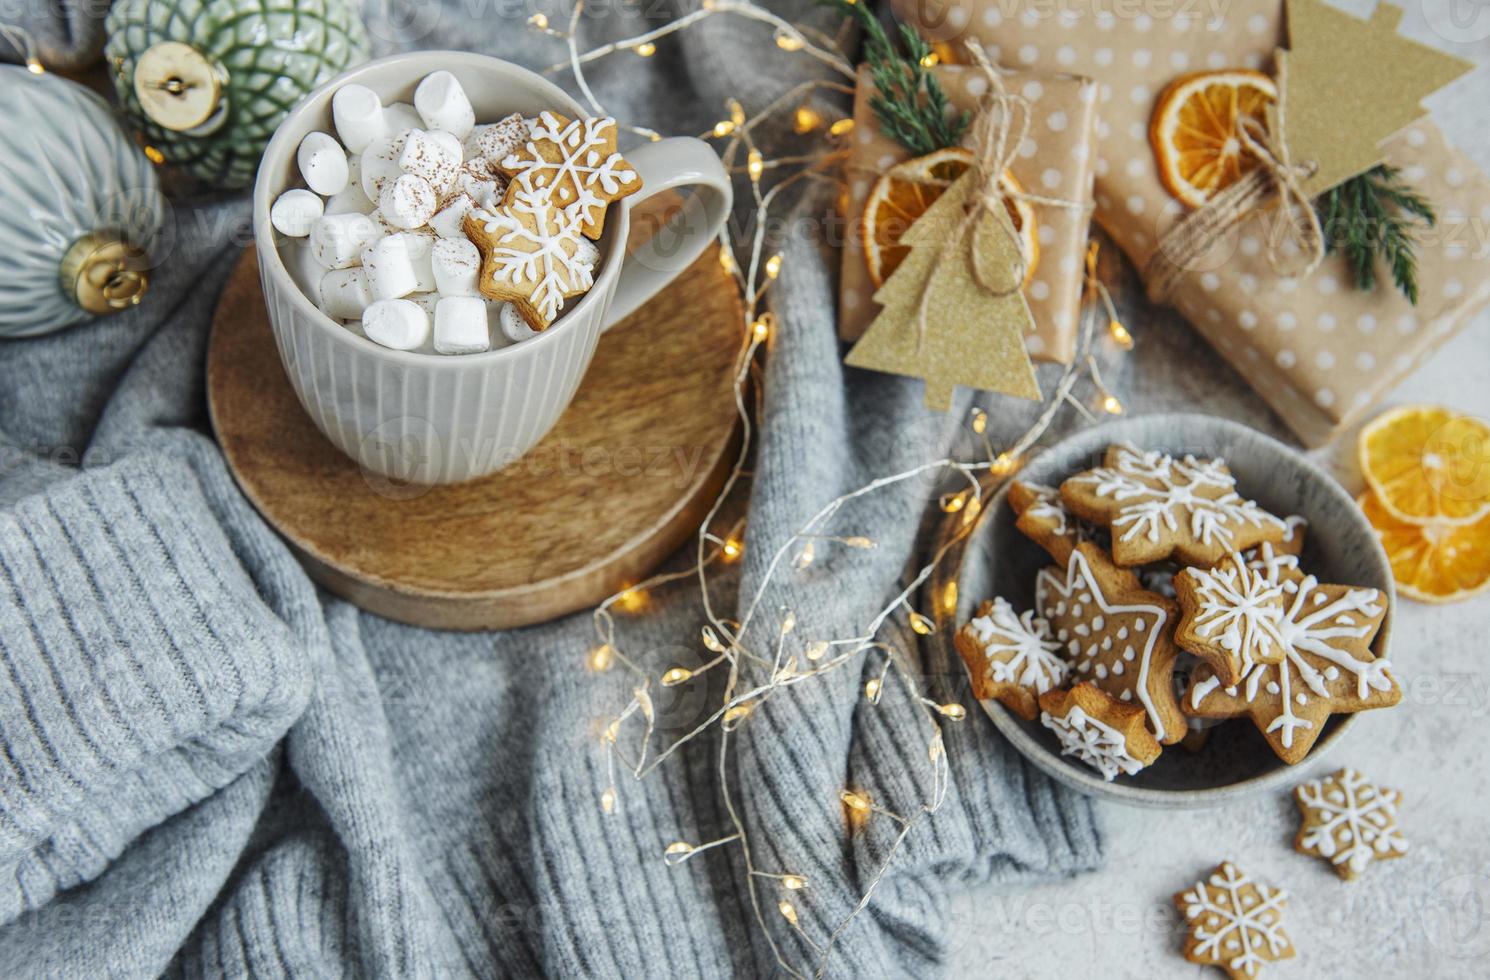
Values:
[(975, 331), (1348, 85)]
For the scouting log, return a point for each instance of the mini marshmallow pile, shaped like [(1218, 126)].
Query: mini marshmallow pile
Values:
[(384, 210)]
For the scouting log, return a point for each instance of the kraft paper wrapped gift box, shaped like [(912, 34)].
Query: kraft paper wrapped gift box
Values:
[(1320, 351), (1055, 161)]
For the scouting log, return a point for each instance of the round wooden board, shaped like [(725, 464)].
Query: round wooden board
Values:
[(626, 475)]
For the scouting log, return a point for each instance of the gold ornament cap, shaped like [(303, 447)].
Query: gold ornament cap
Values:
[(178, 86), (103, 273)]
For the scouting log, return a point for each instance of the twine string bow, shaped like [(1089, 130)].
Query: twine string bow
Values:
[(1275, 177)]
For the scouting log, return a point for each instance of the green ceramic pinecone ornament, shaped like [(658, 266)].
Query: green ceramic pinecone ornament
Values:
[(207, 81)]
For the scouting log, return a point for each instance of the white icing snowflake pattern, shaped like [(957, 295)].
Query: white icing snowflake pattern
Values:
[(1309, 622), (1274, 564), (542, 255), (1236, 922), (1098, 745), (589, 173), (1239, 609), (1079, 598), (1048, 507), (1154, 491), (1349, 821), (1020, 648)]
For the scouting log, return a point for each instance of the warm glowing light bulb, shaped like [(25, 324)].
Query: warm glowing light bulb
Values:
[(806, 119), (872, 690), (854, 800), (805, 556), (608, 800), (732, 548), (711, 640), (539, 21), (646, 49), (34, 66), (949, 598), (1111, 405), (953, 502), (980, 421), (788, 912), (793, 882), (723, 127), (789, 42), (761, 329), (860, 542), (788, 623), (930, 60), (954, 711), (734, 715), (841, 126), (1120, 335), (154, 155), (736, 111), (601, 657), (773, 266), (674, 676), (1003, 464), (726, 261), (921, 624), (816, 649), (755, 164), (677, 851)]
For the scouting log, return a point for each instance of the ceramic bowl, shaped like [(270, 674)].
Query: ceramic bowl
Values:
[(1340, 546)]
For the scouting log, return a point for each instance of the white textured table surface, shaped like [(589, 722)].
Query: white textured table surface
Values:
[(1425, 915)]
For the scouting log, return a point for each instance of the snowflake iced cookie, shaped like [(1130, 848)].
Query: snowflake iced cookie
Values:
[(1157, 505), (1230, 615), (1044, 519), (1327, 667), (1349, 822), (573, 162), (1099, 730), (1012, 658), (1234, 923), (1115, 634), (530, 256)]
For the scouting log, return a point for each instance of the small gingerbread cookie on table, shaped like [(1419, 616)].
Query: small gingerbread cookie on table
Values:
[(1348, 821), (1105, 733), (1012, 658), (1234, 923), (1157, 506), (1116, 634)]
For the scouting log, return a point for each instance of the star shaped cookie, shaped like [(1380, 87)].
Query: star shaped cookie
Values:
[(1157, 506), (1234, 923), (1348, 821), (1231, 615), (575, 164), (1096, 728), (1116, 634), (1044, 519), (1327, 667), (529, 256), (1012, 659)]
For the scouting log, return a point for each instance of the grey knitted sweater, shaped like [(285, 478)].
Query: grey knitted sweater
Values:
[(208, 767)]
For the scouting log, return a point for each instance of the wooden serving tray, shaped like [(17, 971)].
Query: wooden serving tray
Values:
[(626, 475)]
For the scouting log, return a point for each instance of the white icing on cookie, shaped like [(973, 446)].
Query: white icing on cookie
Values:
[(1098, 745), (1239, 609), (1240, 923), (1019, 649), (1350, 821), (1144, 624), (588, 175)]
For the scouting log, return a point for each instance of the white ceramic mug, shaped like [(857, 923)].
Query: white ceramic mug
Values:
[(426, 418)]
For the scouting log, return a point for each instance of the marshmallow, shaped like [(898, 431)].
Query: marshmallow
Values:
[(513, 324), (499, 140), (349, 198), (443, 105), (453, 148), (587, 252), (345, 293), (421, 252), (407, 201), (391, 267), (456, 264), (336, 240), (323, 163), (426, 156), (396, 323), (426, 302), (449, 221), (295, 212), (402, 116), (379, 163), (359, 117), (460, 326), (480, 185)]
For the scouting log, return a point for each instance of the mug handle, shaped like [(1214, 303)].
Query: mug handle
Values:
[(681, 161)]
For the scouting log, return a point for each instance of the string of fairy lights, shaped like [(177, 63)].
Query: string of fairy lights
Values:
[(762, 668)]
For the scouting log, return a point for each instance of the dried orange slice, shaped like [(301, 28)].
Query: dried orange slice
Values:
[(1195, 130), (1434, 562), (904, 192), (1427, 464)]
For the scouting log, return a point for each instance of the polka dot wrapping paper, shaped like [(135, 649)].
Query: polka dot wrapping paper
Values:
[(1055, 161), (1320, 351)]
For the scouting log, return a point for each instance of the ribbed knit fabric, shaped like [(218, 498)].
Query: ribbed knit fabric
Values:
[(209, 768)]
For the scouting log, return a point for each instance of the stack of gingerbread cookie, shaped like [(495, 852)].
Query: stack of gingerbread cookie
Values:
[(1173, 599)]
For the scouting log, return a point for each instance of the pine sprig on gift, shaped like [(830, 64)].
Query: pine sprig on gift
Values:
[(909, 103), (1376, 215)]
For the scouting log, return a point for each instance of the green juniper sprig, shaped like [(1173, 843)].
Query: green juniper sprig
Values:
[(1376, 215), (910, 103)]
